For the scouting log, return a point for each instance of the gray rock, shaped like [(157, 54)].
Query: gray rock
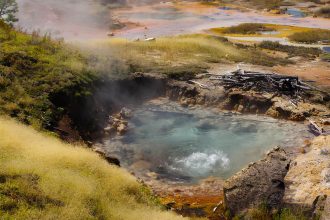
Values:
[(327, 176), (261, 182), (326, 210), (321, 208), (324, 152), (122, 128), (126, 113), (104, 155)]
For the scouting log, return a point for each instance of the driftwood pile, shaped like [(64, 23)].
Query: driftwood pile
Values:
[(262, 82)]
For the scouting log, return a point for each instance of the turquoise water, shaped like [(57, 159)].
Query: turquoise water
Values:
[(295, 12), (326, 49), (188, 145)]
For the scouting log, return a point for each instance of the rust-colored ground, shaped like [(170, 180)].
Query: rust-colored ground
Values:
[(199, 200), (318, 71)]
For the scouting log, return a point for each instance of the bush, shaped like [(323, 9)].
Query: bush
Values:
[(247, 28), (268, 4), (307, 52), (326, 57), (32, 69), (324, 12), (312, 36), (262, 212)]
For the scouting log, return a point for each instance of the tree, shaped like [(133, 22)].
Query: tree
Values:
[(8, 10)]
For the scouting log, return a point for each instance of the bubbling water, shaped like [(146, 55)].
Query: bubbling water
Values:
[(187, 145), (199, 163)]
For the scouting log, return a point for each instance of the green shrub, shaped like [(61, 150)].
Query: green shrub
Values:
[(307, 52), (268, 4), (324, 12), (247, 28), (263, 213), (326, 57), (32, 69), (312, 36), (288, 214)]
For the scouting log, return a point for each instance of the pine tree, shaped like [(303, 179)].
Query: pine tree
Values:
[(8, 10)]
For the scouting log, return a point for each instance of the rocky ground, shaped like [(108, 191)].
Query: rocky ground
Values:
[(260, 182), (281, 178), (206, 92), (308, 179)]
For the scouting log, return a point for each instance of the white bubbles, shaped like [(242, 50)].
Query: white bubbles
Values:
[(201, 163)]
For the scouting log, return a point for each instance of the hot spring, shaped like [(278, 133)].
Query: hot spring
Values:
[(186, 145)]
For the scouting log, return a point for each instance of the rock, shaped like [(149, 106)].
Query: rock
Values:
[(109, 159), (122, 129), (112, 160), (184, 103), (261, 182), (141, 165), (325, 214), (241, 101), (152, 175), (325, 121), (321, 209), (310, 177), (150, 39), (326, 176), (240, 108), (111, 34), (126, 113), (109, 129), (324, 151)]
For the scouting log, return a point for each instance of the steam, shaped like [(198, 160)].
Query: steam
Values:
[(71, 19)]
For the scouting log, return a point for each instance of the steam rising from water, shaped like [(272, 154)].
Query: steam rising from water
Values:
[(73, 19), (199, 163)]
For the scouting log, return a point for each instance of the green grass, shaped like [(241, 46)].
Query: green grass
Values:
[(267, 4), (326, 57), (180, 55), (44, 178), (312, 36), (34, 67), (247, 28), (263, 213), (307, 52)]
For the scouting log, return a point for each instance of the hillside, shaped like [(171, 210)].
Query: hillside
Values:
[(32, 69), (43, 178)]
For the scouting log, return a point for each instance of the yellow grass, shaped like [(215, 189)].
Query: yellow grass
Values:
[(283, 31), (179, 54), (44, 178)]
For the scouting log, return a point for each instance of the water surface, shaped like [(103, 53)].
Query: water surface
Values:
[(188, 145)]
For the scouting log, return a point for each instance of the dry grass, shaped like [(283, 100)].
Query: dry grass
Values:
[(174, 55), (43, 178)]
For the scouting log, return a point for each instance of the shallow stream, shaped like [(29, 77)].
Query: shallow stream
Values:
[(187, 145)]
